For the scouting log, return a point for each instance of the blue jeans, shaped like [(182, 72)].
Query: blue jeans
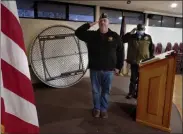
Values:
[(101, 84)]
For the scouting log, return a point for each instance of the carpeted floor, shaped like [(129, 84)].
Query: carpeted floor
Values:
[(69, 111)]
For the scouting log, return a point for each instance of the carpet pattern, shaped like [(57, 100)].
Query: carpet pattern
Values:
[(69, 111)]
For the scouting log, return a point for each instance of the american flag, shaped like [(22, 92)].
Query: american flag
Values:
[(18, 110)]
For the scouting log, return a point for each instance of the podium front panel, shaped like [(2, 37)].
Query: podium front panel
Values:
[(155, 93)]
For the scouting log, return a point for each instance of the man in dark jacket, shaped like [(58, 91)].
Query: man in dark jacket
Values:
[(140, 47), (106, 55)]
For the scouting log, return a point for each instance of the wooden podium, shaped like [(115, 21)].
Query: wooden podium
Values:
[(155, 91)]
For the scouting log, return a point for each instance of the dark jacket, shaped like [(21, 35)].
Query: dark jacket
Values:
[(105, 51), (138, 49)]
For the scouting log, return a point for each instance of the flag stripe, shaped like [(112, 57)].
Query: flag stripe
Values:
[(12, 7), (17, 82), (20, 114), (11, 27), (19, 107), (14, 55), (14, 125), (2, 111)]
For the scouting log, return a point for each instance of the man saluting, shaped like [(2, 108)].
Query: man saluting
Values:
[(140, 47), (106, 55)]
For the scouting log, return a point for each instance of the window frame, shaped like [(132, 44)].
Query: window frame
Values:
[(27, 17), (161, 19), (175, 19), (48, 2), (170, 17), (144, 15), (176, 22), (123, 10), (73, 4), (35, 7)]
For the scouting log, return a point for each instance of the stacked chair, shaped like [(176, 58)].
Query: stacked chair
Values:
[(168, 47), (179, 67), (176, 48), (158, 49)]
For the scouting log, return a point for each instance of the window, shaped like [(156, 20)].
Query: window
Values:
[(81, 13), (168, 21), (154, 20), (25, 8), (115, 17), (133, 18), (54, 11), (178, 23)]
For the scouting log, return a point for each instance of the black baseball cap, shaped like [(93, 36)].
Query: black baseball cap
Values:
[(140, 27), (103, 15)]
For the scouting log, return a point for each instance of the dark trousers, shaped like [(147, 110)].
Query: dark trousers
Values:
[(134, 79), (101, 84)]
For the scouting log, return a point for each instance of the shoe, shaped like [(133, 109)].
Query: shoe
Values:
[(129, 96), (104, 115), (96, 113)]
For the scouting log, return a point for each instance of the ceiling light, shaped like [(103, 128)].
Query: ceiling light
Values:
[(120, 18), (159, 21), (178, 23), (173, 5)]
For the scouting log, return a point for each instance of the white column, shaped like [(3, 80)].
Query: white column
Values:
[(146, 23), (97, 13), (146, 20)]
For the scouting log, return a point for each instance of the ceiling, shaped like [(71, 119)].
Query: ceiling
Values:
[(162, 7)]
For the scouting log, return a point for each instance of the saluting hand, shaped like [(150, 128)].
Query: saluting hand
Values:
[(133, 31), (93, 23)]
